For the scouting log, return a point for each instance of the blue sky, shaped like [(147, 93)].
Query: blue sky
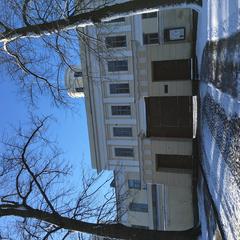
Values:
[(69, 129)]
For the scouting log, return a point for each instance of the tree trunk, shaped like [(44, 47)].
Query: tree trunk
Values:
[(107, 230), (92, 17)]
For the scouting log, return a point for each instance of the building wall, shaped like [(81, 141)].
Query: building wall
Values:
[(177, 193), (180, 214), (162, 146), (130, 195), (173, 193), (134, 217), (167, 50)]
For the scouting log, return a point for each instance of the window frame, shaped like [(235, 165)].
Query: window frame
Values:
[(123, 129), (121, 87), (147, 40), (124, 149), (112, 66), (119, 106), (138, 207), (116, 42)]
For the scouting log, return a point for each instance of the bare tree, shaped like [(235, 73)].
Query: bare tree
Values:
[(38, 37), (33, 193), (62, 18)]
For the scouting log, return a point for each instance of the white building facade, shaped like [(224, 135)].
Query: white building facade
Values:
[(137, 75)]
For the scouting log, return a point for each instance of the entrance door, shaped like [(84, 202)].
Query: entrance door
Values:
[(169, 116), (171, 70)]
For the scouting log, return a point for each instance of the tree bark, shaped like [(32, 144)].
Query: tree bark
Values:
[(92, 17), (107, 230)]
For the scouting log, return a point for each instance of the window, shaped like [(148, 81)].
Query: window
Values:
[(138, 207), (150, 38), (121, 110), (115, 66), (116, 41), (149, 15), (119, 88), (77, 74), (134, 184), (122, 131), (124, 152)]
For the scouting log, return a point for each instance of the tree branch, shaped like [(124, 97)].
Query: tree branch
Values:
[(106, 230), (91, 17), (24, 12), (24, 161), (5, 27), (24, 68)]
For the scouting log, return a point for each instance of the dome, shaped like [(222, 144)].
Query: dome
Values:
[(74, 82)]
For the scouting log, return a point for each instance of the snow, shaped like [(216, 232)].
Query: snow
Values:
[(230, 105), (219, 19), (149, 10), (223, 188), (21, 208)]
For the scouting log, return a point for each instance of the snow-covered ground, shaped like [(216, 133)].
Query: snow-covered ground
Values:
[(220, 112), (217, 19)]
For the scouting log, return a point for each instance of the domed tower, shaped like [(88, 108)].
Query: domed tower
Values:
[(74, 82)]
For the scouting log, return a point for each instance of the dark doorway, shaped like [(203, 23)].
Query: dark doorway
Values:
[(169, 116), (170, 161), (171, 70)]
